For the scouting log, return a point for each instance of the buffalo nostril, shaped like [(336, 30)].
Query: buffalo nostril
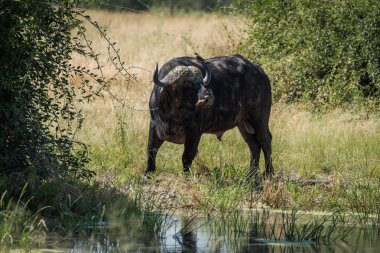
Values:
[(209, 100), (205, 101)]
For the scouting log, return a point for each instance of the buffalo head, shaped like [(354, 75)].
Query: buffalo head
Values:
[(184, 88)]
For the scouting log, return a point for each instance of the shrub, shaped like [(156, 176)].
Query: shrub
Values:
[(323, 52), (39, 114)]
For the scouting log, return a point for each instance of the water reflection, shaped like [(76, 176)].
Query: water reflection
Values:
[(200, 235)]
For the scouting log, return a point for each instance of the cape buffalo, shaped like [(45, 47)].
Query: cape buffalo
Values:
[(192, 96)]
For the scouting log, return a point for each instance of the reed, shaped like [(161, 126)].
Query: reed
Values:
[(18, 225)]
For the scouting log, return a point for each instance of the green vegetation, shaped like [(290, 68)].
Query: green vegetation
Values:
[(72, 167), (292, 225), (39, 112), (18, 225), (322, 53), (42, 163)]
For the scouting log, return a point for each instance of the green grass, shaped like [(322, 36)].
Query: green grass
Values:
[(329, 149), (18, 225)]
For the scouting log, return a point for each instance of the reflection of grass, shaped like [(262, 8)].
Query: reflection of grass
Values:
[(291, 226), (239, 231), (149, 215), (326, 228)]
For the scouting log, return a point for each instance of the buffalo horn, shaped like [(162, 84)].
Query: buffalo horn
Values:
[(207, 78), (156, 80)]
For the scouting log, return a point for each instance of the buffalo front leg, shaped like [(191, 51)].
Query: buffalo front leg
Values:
[(191, 148), (154, 143)]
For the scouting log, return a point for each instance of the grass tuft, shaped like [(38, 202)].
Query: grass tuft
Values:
[(18, 225)]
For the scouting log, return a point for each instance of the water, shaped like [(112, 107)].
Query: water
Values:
[(199, 235)]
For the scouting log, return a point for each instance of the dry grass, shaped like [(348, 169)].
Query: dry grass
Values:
[(144, 39)]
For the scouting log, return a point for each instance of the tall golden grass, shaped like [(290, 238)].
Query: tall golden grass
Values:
[(144, 39)]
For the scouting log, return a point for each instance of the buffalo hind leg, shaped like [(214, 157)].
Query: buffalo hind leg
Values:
[(265, 139), (154, 143), (190, 151), (254, 149)]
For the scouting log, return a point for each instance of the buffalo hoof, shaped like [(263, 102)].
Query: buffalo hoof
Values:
[(187, 171), (148, 174)]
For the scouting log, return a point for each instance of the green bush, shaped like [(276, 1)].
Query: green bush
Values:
[(39, 97), (323, 52)]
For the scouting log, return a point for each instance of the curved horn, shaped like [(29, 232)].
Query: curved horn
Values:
[(207, 78), (156, 80)]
